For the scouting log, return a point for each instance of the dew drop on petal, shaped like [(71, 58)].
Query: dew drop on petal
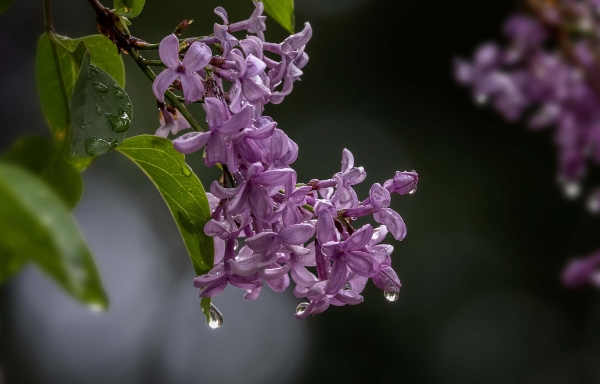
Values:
[(301, 308), (391, 296), (413, 190), (216, 317), (347, 287)]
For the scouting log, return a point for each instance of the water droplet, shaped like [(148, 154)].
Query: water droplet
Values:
[(412, 191), (102, 98), (571, 190), (391, 296), (301, 308), (235, 245), (347, 287), (216, 317), (98, 110), (481, 99), (98, 86), (118, 94), (115, 86), (186, 170), (121, 122), (95, 307), (95, 147)]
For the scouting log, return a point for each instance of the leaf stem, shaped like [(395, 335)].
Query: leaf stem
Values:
[(61, 81)]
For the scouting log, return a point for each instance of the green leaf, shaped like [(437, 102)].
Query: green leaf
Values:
[(101, 112), (41, 157), (36, 225), (128, 8), (180, 188), (103, 53), (5, 5), (282, 11)]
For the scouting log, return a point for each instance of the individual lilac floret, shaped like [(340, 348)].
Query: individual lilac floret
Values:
[(582, 272), (170, 123), (196, 58)]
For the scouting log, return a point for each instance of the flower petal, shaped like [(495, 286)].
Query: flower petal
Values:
[(215, 112), (197, 57), (168, 50), (193, 89), (214, 288), (162, 82), (347, 160), (393, 221), (337, 277), (191, 142), (359, 239), (362, 263), (273, 177), (263, 242), (237, 122), (296, 234)]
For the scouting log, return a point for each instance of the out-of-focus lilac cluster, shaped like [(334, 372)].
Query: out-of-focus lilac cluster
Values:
[(549, 74), (285, 226), (582, 272)]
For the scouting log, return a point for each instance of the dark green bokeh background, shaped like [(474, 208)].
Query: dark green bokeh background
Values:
[(488, 230)]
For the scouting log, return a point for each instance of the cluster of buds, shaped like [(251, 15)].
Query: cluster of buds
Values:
[(549, 73), (286, 227)]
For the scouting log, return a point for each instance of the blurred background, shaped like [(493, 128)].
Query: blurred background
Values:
[(488, 229)]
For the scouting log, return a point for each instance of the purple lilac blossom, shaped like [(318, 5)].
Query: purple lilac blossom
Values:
[(549, 75), (288, 228), (551, 86)]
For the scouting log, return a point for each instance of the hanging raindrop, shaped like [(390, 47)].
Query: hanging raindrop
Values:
[(216, 317), (391, 296), (413, 190), (301, 308)]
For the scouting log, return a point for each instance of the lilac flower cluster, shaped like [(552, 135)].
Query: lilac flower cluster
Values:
[(549, 73), (286, 226)]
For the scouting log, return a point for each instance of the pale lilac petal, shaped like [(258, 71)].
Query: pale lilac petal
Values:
[(162, 131), (223, 193), (355, 176), (296, 234), (244, 282), (279, 144), (237, 122), (280, 284), (262, 242), (261, 203), (214, 274), (216, 150), (254, 91), (254, 66), (244, 267), (191, 142), (349, 297), (325, 229), (359, 239), (215, 112), (302, 277), (347, 160), (180, 123), (392, 220), (168, 50), (274, 273), (252, 294), (362, 263), (222, 13), (214, 288), (320, 306), (193, 89), (337, 277), (219, 249), (298, 40), (317, 291), (197, 57), (274, 177), (387, 280), (162, 82)]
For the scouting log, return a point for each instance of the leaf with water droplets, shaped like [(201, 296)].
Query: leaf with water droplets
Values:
[(128, 8), (103, 117), (41, 157), (183, 193), (35, 225)]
